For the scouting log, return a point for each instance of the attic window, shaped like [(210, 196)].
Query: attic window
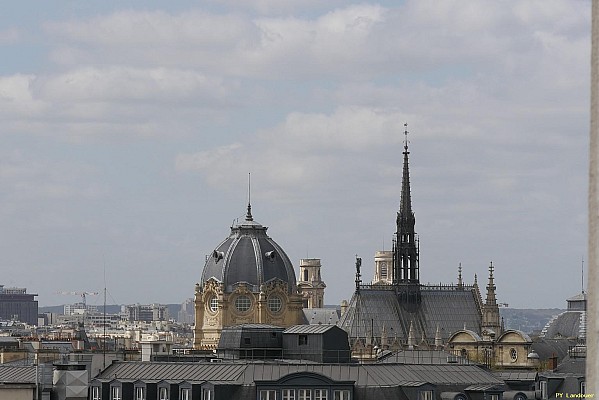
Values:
[(247, 340)]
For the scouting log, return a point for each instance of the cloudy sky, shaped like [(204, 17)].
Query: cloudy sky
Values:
[(128, 132)]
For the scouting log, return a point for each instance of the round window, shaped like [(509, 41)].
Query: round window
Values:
[(513, 354), (213, 304), (275, 303), (243, 303)]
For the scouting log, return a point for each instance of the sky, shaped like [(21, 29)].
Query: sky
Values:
[(128, 130)]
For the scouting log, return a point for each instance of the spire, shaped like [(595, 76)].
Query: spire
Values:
[(460, 283), (438, 340), (248, 216), (491, 298), (490, 310), (406, 268), (405, 207), (411, 340)]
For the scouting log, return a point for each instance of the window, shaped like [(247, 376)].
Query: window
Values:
[(213, 304), (242, 303), (513, 354), (206, 394), (305, 274), (275, 303), (493, 397), (304, 394), (383, 270), (115, 393), (288, 394), (185, 394), (543, 388), (268, 395), (163, 394), (341, 395), (140, 393), (425, 395), (302, 340), (321, 394), (583, 387), (96, 393)]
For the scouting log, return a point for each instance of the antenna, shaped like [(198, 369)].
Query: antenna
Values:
[(104, 339), (582, 275)]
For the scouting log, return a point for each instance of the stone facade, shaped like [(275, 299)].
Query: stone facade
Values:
[(310, 283)]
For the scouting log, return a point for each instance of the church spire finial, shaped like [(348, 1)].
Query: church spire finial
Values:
[(405, 132), (491, 298), (248, 216), (460, 282)]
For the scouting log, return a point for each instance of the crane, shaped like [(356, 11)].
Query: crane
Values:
[(82, 294)]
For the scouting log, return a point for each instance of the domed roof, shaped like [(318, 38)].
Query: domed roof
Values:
[(249, 256)]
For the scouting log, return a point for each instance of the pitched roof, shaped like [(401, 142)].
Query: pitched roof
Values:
[(370, 310), (17, 374), (247, 373), (309, 329)]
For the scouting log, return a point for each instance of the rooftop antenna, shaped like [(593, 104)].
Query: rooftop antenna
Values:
[(582, 275)]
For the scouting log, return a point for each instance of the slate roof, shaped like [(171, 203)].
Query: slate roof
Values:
[(565, 325), (547, 348), (423, 357), (381, 375), (449, 309), (249, 255)]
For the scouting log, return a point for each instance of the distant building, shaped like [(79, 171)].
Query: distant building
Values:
[(571, 323), (146, 312), (79, 309), (18, 305), (396, 308), (247, 279), (310, 283), (186, 314)]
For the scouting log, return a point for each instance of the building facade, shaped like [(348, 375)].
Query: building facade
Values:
[(310, 283), (18, 305)]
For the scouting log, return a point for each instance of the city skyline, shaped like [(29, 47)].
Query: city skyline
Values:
[(128, 132)]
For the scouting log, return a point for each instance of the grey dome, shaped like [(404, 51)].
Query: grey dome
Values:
[(250, 256)]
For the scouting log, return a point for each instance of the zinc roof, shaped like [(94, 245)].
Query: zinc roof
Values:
[(383, 375), (516, 375), (160, 371), (314, 329), (17, 374)]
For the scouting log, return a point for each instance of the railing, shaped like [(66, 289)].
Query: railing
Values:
[(427, 287)]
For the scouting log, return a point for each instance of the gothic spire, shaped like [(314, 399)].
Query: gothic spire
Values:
[(406, 268), (491, 298), (405, 207)]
